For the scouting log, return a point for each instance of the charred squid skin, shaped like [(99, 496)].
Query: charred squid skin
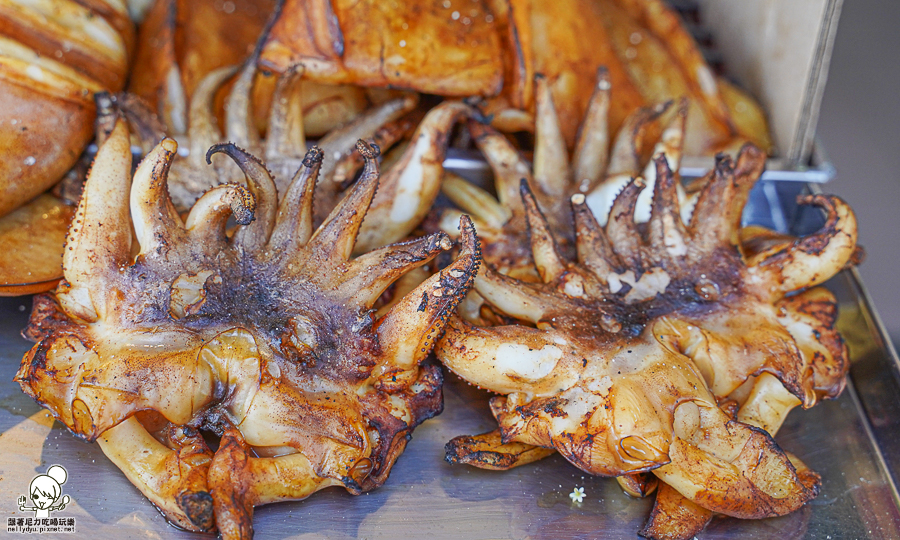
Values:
[(198, 507), (266, 337), (425, 403), (488, 451)]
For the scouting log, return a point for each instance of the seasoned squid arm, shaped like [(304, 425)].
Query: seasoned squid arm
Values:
[(174, 479)]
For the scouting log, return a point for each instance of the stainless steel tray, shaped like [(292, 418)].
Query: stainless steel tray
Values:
[(853, 442), (819, 170)]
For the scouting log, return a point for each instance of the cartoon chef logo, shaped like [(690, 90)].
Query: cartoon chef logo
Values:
[(46, 492)]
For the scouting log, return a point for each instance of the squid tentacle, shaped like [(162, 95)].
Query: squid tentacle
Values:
[(547, 259), (95, 252), (593, 246), (408, 190), (411, 326), (154, 216), (621, 229), (363, 286), (202, 128), (337, 235), (509, 168), (239, 128), (294, 223), (477, 202), (206, 224), (261, 184), (338, 144), (551, 159), (669, 146), (285, 136), (591, 155), (667, 235), (173, 478), (813, 259)]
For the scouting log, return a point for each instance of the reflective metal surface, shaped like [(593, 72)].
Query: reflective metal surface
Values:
[(819, 170), (852, 442)]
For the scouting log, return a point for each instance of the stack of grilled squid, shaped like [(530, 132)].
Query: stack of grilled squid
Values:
[(283, 297)]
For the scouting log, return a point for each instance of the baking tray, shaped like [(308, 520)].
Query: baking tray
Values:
[(853, 442)]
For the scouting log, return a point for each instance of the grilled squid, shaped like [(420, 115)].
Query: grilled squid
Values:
[(666, 349), (263, 336)]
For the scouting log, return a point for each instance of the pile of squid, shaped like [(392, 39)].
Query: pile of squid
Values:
[(663, 350), (274, 301), (265, 336), (415, 143), (358, 60), (494, 48)]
